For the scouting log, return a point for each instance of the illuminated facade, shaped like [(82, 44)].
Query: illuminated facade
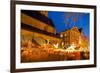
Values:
[(37, 25), (74, 36)]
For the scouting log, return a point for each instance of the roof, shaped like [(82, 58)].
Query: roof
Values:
[(39, 16), (74, 29)]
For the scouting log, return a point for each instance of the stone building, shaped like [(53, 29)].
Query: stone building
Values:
[(37, 26), (74, 36), (38, 19)]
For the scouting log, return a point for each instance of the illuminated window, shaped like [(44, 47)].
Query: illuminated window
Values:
[(61, 35), (65, 34)]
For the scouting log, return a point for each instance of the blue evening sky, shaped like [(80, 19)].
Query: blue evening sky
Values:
[(66, 20)]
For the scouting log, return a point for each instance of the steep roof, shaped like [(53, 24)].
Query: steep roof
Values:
[(39, 16)]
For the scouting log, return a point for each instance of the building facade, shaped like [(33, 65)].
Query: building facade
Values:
[(38, 19), (36, 26), (74, 36)]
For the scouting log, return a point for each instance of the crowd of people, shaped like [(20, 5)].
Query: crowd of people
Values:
[(35, 53)]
